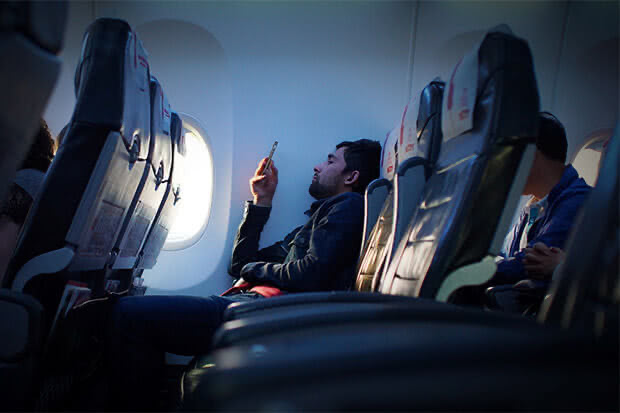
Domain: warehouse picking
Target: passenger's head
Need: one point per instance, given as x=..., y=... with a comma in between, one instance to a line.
x=41, y=151
x=350, y=168
x=28, y=179
x=551, y=140
x=551, y=148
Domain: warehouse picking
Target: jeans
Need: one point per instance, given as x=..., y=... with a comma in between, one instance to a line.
x=142, y=329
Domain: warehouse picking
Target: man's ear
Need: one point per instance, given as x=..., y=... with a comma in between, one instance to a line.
x=352, y=178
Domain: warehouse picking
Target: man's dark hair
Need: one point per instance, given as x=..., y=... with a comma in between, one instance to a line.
x=17, y=202
x=42, y=150
x=551, y=139
x=364, y=156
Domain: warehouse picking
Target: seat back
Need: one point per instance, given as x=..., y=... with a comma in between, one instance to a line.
x=378, y=190
x=419, y=143
x=150, y=194
x=412, y=157
x=586, y=288
x=143, y=235
x=488, y=121
x=87, y=199
x=31, y=35
x=375, y=196
x=378, y=203
x=168, y=208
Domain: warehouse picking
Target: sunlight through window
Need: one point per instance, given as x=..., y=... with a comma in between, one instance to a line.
x=588, y=159
x=193, y=175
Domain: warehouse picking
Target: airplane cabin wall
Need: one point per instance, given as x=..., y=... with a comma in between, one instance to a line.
x=311, y=74
x=574, y=45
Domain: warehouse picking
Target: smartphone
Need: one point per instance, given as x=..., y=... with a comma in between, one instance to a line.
x=273, y=149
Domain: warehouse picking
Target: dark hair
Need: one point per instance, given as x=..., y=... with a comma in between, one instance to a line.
x=42, y=150
x=551, y=139
x=364, y=156
x=17, y=202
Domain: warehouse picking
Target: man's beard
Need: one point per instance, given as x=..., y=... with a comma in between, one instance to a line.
x=318, y=191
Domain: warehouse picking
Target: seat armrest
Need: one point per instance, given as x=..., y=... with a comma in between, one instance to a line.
x=236, y=311
x=300, y=318
x=21, y=343
x=20, y=326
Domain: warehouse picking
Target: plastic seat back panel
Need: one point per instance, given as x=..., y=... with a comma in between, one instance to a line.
x=168, y=133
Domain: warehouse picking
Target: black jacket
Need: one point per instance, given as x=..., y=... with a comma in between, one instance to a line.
x=318, y=256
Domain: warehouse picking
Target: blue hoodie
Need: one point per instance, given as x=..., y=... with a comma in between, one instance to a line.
x=552, y=227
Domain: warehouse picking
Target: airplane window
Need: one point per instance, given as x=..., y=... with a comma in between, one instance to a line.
x=193, y=174
x=587, y=160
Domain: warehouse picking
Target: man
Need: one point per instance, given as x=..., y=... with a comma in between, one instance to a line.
x=28, y=180
x=558, y=193
x=318, y=256
x=310, y=258
x=533, y=246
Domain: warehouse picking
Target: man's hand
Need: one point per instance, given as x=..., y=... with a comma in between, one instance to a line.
x=263, y=184
x=540, y=261
x=239, y=282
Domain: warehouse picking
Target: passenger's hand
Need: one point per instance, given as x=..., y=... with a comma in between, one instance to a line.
x=239, y=282
x=263, y=184
x=540, y=261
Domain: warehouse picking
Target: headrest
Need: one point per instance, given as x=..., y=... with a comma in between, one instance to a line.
x=108, y=94
x=408, y=146
x=389, y=156
x=176, y=128
x=416, y=120
x=161, y=107
x=477, y=85
x=429, y=119
x=41, y=21
x=178, y=145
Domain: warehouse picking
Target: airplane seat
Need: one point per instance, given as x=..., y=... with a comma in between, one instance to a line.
x=488, y=122
x=380, y=244
x=91, y=187
x=146, y=232
x=420, y=140
x=376, y=237
x=166, y=213
x=378, y=190
x=31, y=36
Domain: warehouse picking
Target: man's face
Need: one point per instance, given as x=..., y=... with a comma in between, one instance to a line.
x=533, y=176
x=329, y=176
